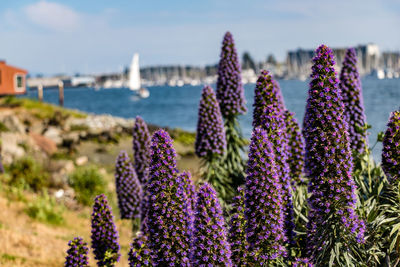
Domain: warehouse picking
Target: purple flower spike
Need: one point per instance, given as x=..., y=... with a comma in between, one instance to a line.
x=328, y=163
x=391, y=148
x=211, y=247
x=129, y=190
x=210, y=137
x=351, y=91
x=104, y=233
x=167, y=220
x=272, y=121
x=141, y=149
x=230, y=92
x=302, y=262
x=295, y=147
x=237, y=231
x=186, y=179
x=267, y=92
x=140, y=254
x=264, y=209
x=77, y=254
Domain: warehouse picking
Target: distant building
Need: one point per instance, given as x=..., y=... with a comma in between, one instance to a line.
x=12, y=80
x=299, y=61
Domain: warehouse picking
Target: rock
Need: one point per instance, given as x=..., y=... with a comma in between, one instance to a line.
x=45, y=144
x=60, y=170
x=96, y=124
x=10, y=146
x=54, y=134
x=82, y=160
x=58, y=180
x=13, y=124
x=70, y=140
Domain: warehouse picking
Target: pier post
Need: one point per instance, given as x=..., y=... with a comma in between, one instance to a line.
x=40, y=92
x=61, y=93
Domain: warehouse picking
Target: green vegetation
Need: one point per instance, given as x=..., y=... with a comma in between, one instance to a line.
x=28, y=173
x=181, y=136
x=87, y=183
x=45, y=209
x=3, y=128
x=79, y=127
x=39, y=109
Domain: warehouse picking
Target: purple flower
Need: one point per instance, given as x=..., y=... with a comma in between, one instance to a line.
x=328, y=162
x=77, y=254
x=295, y=147
x=140, y=254
x=167, y=219
x=210, y=245
x=264, y=209
x=141, y=149
x=230, y=92
x=269, y=114
x=391, y=148
x=104, y=233
x=210, y=137
x=237, y=231
x=272, y=121
x=351, y=91
x=129, y=190
x=267, y=92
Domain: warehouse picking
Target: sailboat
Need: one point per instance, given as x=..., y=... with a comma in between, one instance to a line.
x=134, y=82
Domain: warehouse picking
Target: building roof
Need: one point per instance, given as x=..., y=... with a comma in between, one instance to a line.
x=3, y=63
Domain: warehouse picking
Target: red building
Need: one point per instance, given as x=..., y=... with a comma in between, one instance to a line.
x=12, y=80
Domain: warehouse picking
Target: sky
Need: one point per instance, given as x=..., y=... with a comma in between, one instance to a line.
x=87, y=36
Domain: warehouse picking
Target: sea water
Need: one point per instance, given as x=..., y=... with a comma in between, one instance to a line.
x=178, y=106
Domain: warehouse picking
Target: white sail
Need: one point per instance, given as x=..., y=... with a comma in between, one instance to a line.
x=134, y=74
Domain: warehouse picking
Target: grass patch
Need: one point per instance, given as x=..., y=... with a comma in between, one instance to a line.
x=39, y=109
x=79, y=127
x=3, y=127
x=87, y=183
x=59, y=155
x=28, y=173
x=45, y=209
x=184, y=137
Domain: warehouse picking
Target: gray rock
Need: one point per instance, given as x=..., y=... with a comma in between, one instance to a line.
x=13, y=124
x=54, y=134
x=10, y=148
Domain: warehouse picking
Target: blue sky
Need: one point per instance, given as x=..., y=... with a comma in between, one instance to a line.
x=50, y=36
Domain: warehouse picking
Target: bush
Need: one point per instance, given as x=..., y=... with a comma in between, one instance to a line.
x=181, y=136
x=45, y=209
x=87, y=183
x=28, y=173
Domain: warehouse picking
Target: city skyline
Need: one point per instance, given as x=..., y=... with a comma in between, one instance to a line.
x=98, y=36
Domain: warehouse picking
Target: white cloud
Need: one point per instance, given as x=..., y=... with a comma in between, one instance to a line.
x=53, y=16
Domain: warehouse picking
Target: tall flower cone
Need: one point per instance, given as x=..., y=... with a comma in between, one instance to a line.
x=295, y=147
x=210, y=144
x=129, y=190
x=167, y=219
x=141, y=149
x=104, y=233
x=264, y=210
x=269, y=114
x=391, y=148
x=77, y=254
x=230, y=95
x=351, y=91
x=210, y=245
x=328, y=165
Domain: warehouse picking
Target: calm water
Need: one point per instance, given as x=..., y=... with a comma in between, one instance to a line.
x=177, y=106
